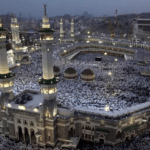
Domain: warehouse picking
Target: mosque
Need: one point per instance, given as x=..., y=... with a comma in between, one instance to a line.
x=41, y=121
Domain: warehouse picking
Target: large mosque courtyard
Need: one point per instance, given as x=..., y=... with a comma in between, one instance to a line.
x=111, y=85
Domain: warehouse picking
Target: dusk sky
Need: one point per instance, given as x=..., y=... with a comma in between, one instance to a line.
x=73, y=7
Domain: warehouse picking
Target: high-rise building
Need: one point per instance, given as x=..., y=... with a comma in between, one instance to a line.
x=141, y=29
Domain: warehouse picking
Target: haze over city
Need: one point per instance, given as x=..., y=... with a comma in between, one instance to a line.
x=74, y=7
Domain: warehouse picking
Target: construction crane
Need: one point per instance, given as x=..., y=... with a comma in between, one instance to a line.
x=112, y=30
x=116, y=20
x=121, y=35
x=130, y=33
x=30, y=17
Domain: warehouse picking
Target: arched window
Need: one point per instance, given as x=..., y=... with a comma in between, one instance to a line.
x=31, y=124
x=118, y=135
x=18, y=121
x=25, y=122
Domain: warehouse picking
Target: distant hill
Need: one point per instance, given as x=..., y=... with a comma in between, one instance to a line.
x=105, y=16
x=67, y=16
x=86, y=14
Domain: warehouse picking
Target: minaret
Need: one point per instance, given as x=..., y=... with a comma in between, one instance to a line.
x=16, y=42
x=12, y=29
x=61, y=30
x=48, y=81
x=72, y=29
x=6, y=78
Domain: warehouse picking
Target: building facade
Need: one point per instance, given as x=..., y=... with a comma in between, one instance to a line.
x=141, y=29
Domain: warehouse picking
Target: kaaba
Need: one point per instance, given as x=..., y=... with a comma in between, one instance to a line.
x=98, y=59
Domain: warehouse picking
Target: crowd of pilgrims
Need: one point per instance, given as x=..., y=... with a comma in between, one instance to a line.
x=124, y=88
x=137, y=143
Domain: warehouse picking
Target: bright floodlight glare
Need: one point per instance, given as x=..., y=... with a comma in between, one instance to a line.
x=109, y=73
x=65, y=51
x=106, y=108
x=116, y=59
x=105, y=53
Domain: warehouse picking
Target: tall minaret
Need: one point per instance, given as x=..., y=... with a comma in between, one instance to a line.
x=16, y=42
x=72, y=29
x=48, y=81
x=61, y=30
x=15, y=30
x=6, y=78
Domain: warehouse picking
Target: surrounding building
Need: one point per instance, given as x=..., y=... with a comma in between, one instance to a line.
x=141, y=29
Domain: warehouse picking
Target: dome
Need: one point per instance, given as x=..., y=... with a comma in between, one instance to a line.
x=70, y=70
x=87, y=72
x=56, y=71
x=87, y=75
x=70, y=73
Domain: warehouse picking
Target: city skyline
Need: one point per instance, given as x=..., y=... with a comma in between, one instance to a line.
x=62, y=7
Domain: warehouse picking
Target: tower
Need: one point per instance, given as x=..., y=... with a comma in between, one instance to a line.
x=72, y=29
x=61, y=30
x=6, y=77
x=16, y=42
x=116, y=13
x=48, y=81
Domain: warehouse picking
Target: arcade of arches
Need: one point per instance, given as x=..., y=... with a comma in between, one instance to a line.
x=25, y=135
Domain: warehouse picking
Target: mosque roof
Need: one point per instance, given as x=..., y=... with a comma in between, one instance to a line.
x=87, y=72
x=46, y=30
x=56, y=69
x=70, y=70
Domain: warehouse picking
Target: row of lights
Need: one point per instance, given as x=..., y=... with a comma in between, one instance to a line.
x=22, y=107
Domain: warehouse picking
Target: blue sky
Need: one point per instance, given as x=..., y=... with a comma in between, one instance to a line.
x=73, y=7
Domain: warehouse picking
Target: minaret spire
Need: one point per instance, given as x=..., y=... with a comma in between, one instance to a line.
x=45, y=9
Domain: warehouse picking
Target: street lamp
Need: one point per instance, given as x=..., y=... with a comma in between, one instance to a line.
x=109, y=73
x=116, y=60
x=106, y=108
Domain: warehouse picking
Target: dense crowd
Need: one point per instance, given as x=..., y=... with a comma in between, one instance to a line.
x=138, y=143
x=124, y=88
